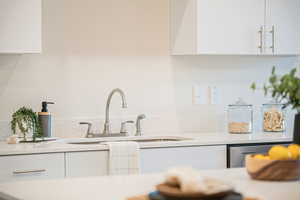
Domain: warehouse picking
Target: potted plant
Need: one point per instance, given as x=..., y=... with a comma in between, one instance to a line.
x=285, y=89
x=26, y=121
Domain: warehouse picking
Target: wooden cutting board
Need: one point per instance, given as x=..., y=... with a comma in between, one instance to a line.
x=141, y=197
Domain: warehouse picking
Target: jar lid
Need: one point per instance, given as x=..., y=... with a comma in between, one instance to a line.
x=273, y=102
x=240, y=102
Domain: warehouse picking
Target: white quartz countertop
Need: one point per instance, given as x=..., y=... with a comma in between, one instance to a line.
x=200, y=139
x=122, y=187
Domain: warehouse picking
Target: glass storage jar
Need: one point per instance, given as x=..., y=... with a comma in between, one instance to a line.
x=240, y=117
x=273, y=117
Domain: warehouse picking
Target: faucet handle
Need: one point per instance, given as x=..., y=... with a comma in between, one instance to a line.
x=138, y=124
x=123, y=126
x=88, y=132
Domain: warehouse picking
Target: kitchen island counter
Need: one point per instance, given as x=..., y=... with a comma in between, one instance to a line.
x=122, y=187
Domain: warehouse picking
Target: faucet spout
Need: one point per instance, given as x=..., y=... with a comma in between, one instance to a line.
x=124, y=105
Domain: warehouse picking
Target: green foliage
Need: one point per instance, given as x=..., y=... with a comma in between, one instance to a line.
x=285, y=89
x=253, y=86
x=25, y=119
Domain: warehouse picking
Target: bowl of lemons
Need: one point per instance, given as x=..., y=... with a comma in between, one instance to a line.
x=279, y=164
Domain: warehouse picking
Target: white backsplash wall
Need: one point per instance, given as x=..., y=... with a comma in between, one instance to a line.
x=232, y=76
x=93, y=46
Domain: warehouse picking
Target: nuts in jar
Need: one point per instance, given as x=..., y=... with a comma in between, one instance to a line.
x=273, y=120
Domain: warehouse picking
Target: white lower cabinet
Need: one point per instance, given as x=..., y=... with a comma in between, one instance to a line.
x=95, y=163
x=29, y=167
x=201, y=157
x=88, y=163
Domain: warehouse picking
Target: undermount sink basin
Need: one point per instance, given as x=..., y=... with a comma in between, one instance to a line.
x=128, y=138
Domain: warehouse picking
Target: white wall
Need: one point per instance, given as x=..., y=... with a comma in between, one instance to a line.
x=93, y=46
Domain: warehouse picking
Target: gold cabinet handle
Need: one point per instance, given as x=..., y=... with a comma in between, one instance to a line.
x=261, y=32
x=28, y=171
x=273, y=39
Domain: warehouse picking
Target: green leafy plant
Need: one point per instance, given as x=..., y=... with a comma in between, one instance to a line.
x=26, y=120
x=284, y=89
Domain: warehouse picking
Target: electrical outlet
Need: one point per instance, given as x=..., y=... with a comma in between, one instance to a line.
x=214, y=95
x=200, y=95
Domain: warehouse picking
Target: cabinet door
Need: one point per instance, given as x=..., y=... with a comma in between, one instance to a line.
x=283, y=16
x=229, y=26
x=20, y=26
x=204, y=157
x=90, y=163
x=32, y=167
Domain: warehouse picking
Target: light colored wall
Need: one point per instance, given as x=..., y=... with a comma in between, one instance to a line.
x=93, y=46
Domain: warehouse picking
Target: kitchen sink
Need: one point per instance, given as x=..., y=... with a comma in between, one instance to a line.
x=140, y=139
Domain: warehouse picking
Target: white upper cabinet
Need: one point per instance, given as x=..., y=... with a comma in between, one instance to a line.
x=283, y=27
x=234, y=27
x=216, y=26
x=20, y=26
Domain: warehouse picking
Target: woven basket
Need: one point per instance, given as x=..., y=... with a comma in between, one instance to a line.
x=273, y=170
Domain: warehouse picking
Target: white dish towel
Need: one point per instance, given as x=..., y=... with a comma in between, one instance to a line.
x=124, y=158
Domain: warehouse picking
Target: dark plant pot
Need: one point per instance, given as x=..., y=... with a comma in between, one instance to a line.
x=297, y=129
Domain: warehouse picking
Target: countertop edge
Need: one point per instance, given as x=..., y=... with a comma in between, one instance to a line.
x=56, y=147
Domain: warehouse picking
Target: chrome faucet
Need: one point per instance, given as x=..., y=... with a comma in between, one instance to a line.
x=138, y=124
x=107, y=130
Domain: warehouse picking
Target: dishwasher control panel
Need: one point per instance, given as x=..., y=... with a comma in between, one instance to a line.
x=237, y=153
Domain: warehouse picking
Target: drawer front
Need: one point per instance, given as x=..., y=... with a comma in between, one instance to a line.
x=32, y=167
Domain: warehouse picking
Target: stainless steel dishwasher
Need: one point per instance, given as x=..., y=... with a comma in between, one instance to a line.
x=236, y=153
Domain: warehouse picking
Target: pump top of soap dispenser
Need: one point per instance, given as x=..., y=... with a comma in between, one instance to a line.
x=45, y=106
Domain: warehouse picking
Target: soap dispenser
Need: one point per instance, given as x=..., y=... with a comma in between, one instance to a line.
x=45, y=119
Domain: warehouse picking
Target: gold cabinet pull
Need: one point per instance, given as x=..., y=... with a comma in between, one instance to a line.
x=261, y=32
x=28, y=171
x=273, y=39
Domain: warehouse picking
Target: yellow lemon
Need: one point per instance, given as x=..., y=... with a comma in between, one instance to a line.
x=263, y=157
x=259, y=156
x=279, y=152
x=294, y=149
x=267, y=158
